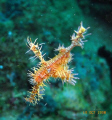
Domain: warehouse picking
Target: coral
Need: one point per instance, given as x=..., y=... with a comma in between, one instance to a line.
x=56, y=67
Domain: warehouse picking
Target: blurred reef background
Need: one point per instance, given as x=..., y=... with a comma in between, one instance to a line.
x=52, y=22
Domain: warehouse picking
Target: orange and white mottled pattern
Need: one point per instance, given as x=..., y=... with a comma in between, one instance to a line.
x=56, y=67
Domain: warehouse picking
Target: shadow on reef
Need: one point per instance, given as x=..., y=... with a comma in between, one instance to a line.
x=98, y=8
x=102, y=52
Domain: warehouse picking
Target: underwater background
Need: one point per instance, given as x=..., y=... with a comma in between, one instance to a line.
x=53, y=22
